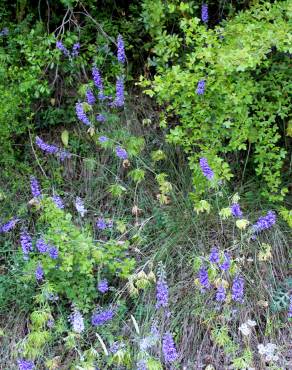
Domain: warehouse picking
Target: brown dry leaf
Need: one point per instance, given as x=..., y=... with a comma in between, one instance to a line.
x=126, y=163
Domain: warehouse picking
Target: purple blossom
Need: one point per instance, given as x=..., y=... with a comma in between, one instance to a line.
x=79, y=205
x=77, y=321
x=237, y=289
x=220, y=294
x=63, y=154
x=35, y=188
x=58, y=201
x=101, y=223
x=207, y=172
x=26, y=244
x=90, y=97
x=100, y=118
x=4, y=32
x=265, y=222
x=204, y=13
x=101, y=317
x=290, y=307
x=201, y=87
x=115, y=347
x=25, y=364
x=235, y=210
x=214, y=255
x=121, y=153
x=103, y=286
x=53, y=252
x=161, y=289
x=168, y=348
x=142, y=365
x=204, y=278
x=10, y=225
x=120, y=95
x=81, y=114
x=50, y=149
x=98, y=82
x=41, y=245
x=103, y=139
x=75, y=50
x=62, y=48
x=50, y=323
x=225, y=265
x=121, y=50
x=39, y=273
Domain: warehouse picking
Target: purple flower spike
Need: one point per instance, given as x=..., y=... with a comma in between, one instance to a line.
x=53, y=252
x=81, y=114
x=90, y=97
x=201, y=87
x=235, y=210
x=77, y=321
x=10, y=225
x=39, y=273
x=102, y=139
x=35, y=188
x=62, y=48
x=226, y=263
x=120, y=95
x=207, y=172
x=49, y=149
x=161, y=293
x=100, y=118
x=101, y=317
x=220, y=294
x=58, y=201
x=4, y=32
x=121, y=50
x=168, y=348
x=204, y=13
x=41, y=245
x=204, y=278
x=98, y=82
x=26, y=244
x=121, y=153
x=265, y=222
x=101, y=224
x=214, y=255
x=103, y=286
x=142, y=365
x=25, y=365
x=290, y=307
x=237, y=289
x=75, y=50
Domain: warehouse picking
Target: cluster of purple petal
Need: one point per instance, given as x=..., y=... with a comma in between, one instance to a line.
x=42, y=246
x=25, y=364
x=100, y=118
x=220, y=294
x=237, y=289
x=235, y=210
x=201, y=87
x=90, y=97
x=75, y=50
x=207, y=172
x=66, y=52
x=120, y=94
x=290, y=307
x=39, y=272
x=98, y=82
x=102, y=224
x=225, y=265
x=81, y=114
x=8, y=226
x=58, y=201
x=26, y=244
x=214, y=255
x=121, y=50
x=79, y=205
x=4, y=32
x=161, y=291
x=103, y=139
x=35, y=188
x=101, y=317
x=265, y=222
x=121, y=153
x=168, y=348
x=47, y=148
x=142, y=365
x=53, y=253
x=103, y=286
x=204, y=278
x=204, y=13
x=77, y=321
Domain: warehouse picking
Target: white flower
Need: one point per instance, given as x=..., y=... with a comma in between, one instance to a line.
x=79, y=205
x=268, y=351
x=244, y=329
x=251, y=323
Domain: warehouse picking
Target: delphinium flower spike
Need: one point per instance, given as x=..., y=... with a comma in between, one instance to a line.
x=204, y=13
x=121, y=153
x=81, y=114
x=214, y=255
x=42, y=246
x=101, y=317
x=79, y=205
x=98, y=82
x=58, y=201
x=35, y=188
x=39, y=272
x=201, y=87
x=62, y=48
x=204, y=278
x=75, y=50
x=120, y=95
x=207, y=171
x=220, y=294
x=237, y=289
x=121, y=50
x=47, y=148
x=168, y=348
x=8, y=226
x=103, y=286
x=265, y=222
x=90, y=97
x=161, y=288
x=77, y=321
x=225, y=265
x=235, y=210
x=101, y=224
x=53, y=253
x=142, y=365
x=26, y=244
x=25, y=364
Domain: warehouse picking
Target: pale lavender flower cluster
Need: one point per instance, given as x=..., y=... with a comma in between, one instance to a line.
x=168, y=348
x=220, y=294
x=25, y=364
x=237, y=289
x=77, y=321
x=81, y=114
x=290, y=307
x=225, y=265
x=121, y=50
x=35, y=188
x=142, y=365
x=8, y=226
x=102, y=224
x=58, y=201
x=42, y=246
x=101, y=317
x=120, y=94
x=207, y=172
x=204, y=13
x=121, y=153
x=103, y=139
x=235, y=210
x=98, y=82
x=214, y=255
x=39, y=272
x=204, y=278
x=103, y=286
x=90, y=97
x=26, y=244
x=161, y=289
x=265, y=222
x=79, y=205
x=201, y=87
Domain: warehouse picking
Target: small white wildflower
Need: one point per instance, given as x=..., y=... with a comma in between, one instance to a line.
x=79, y=205
x=244, y=329
x=251, y=323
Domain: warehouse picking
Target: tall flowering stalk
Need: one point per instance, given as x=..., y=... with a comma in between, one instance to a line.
x=220, y=294
x=201, y=87
x=204, y=13
x=25, y=364
x=235, y=210
x=8, y=226
x=121, y=50
x=265, y=222
x=75, y=50
x=121, y=153
x=120, y=94
x=90, y=97
x=79, y=205
x=47, y=148
x=77, y=321
x=204, y=278
x=161, y=288
x=225, y=265
x=103, y=286
x=35, y=188
x=237, y=289
x=214, y=255
x=62, y=48
x=58, y=201
x=98, y=81
x=207, y=172
x=101, y=317
x=81, y=114
x=39, y=272
x=26, y=244
x=168, y=348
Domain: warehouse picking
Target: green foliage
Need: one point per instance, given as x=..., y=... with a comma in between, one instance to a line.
x=244, y=62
